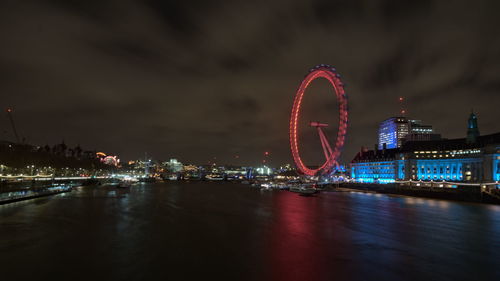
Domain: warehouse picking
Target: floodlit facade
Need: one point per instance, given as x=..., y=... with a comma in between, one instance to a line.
x=392, y=132
x=174, y=166
x=472, y=159
x=395, y=131
x=448, y=160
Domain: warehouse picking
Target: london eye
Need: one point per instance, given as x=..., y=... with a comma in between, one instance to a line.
x=331, y=154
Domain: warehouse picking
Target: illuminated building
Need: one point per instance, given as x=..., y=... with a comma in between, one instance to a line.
x=190, y=168
x=380, y=166
x=108, y=159
x=264, y=170
x=235, y=172
x=468, y=159
x=173, y=166
x=395, y=131
x=392, y=132
x=419, y=132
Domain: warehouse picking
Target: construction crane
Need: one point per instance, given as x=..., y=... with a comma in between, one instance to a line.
x=9, y=113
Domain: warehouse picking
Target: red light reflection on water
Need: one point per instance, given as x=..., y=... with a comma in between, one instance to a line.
x=297, y=248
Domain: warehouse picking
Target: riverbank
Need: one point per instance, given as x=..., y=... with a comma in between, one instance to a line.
x=11, y=197
x=464, y=194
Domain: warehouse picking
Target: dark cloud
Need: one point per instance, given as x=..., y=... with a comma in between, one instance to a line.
x=94, y=10
x=202, y=79
x=328, y=12
x=244, y=105
x=396, y=11
x=234, y=63
x=178, y=15
x=129, y=50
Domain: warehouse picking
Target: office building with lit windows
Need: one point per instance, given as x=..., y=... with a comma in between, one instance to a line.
x=395, y=131
x=419, y=132
x=472, y=159
x=392, y=132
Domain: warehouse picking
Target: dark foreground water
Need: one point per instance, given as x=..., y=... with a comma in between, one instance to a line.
x=224, y=231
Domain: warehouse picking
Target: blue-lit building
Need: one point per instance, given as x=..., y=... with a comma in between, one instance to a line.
x=395, y=131
x=471, y=159
x=392, y=132
x=378, y=166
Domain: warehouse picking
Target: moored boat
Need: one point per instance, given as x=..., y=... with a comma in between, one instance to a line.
x=304, y=191
x=126, y=182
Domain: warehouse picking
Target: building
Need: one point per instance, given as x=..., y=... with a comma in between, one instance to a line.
x=471, y=159
x=236, y=172
x=378, y=166
x=392, y=132
x=419, y=132
x=472, y=128
x=395, y=131
x=173, y=166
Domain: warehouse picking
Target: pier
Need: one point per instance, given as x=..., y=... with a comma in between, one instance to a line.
x=17, y=196
x=468, y=192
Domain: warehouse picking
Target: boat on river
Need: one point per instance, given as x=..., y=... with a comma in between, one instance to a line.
x=127, y=182
x=304, y=191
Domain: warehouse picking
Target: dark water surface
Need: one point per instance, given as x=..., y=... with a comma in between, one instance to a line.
x=225, y=231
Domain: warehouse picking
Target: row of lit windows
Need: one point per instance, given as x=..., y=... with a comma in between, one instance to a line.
x=370, y=163
x=434, y=156
x=468, y=151
x=375, y=166
x=435, y=177
x=421, y=130
x=373, y=170
x=441, y=170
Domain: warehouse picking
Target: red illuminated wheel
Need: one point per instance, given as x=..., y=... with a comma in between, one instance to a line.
x=331, y=154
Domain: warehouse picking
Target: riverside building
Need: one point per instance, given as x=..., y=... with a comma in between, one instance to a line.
x=471, y=159
x=395, y=131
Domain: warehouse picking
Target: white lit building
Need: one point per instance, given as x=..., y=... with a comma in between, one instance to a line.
x=173, y=166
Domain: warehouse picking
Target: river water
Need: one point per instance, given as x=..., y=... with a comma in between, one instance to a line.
x=228, y=231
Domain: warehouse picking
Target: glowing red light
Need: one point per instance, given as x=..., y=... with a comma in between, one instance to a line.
x=327, y=73
x=266, y=153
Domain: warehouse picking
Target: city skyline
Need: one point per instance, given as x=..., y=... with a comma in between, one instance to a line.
x=250, y=140
x=176, y=81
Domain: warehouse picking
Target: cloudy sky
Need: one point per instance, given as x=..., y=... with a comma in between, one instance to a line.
x=202, y=79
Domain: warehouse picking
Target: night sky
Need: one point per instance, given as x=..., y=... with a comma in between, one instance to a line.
x=202, y=79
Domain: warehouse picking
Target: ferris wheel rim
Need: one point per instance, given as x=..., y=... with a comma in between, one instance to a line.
x=329, y=73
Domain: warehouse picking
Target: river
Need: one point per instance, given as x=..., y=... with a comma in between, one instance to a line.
x=230, y=231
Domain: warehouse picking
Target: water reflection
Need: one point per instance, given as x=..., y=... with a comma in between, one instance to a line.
x=293, y=256
x=318, y=238
x=193, y=231
x=360, y=236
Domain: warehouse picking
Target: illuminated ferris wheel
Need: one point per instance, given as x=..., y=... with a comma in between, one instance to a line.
x=331, y=154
